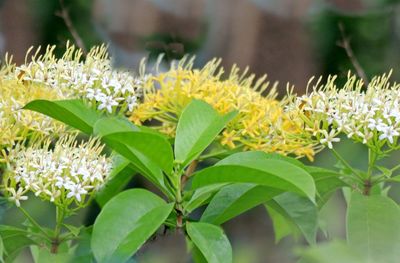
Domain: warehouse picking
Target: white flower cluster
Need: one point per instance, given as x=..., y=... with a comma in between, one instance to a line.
x=370, y=116
x=68, y=173
x=17, y=124
x=92, y=78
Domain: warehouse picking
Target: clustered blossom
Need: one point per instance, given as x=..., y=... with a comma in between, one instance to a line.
x=70, y=173
x=260, y=125
x=370, y=116
x=17, y=124
x=92, y=78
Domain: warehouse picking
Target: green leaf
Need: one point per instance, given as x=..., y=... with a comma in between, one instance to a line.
x=14, y=239
x=373, y=227
x=198, y=126
x=43, y=255
x=120, y=176
x=232, y=200
x=201, y=196
x=290, y=210
x=108, y=125
x=211, y=241
x=326, y=182
x=257, y=168
x=82, y=252
x=125, y=223
x=332, y=252
x=137, y=144
x=283, y=225
x=71, y=112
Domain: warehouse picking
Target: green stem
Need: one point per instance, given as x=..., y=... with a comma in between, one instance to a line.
x=57, y=231
x=346, y=164
x=395, y=168
x=33, y=221
x=368, y=183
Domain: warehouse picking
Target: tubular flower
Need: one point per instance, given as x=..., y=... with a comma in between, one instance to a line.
x=261, y=123
x=370, y=116
x=68, y=174
x=92, y=78
x=17, y=124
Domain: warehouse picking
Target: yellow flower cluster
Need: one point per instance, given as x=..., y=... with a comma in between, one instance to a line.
x=260, y=125
x=17, y=124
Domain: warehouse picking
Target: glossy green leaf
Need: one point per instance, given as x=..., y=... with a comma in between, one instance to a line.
x=257, y=168
x=155, y=148
x=211, y=241
x=201, y=196
x=290, y=210
x=108, y=125
x=43, y=255
x=14, y=240
x=326, y=182
x=120, y=176
x=198, y=126
x=234, y=199
x=74, y=113
x=125, y=223
x=373, y=227
x=140, y=160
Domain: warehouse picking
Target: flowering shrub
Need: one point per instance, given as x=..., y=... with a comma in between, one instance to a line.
x=16, y=125
x=371, y=117
x=162, y=125
x=260, y=125
x=66, y=175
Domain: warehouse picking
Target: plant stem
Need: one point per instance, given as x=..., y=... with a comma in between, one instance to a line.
x=346, y=164
x=56, y=239
x=182, y=179
x=33, y=221
x=371, y=163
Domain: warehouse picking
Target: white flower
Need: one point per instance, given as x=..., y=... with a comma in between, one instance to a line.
x=93, y=79
x=328, y=139
x=388, y=133
x=17, y=196
x=132, y=102
x=107, y=103
x=368, y=116
x=76, y=190
x=69, y=171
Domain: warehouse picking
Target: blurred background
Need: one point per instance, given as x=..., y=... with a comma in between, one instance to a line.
x=290, y=40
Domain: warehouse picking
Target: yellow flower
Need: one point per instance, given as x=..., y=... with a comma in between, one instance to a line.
x=229, y=138
x=17, y=124
x=261, y=123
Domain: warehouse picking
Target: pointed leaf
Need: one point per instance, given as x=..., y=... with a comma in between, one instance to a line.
x=373, y=227
x=288, y=210
x=211, y=241
x=232, y=200
x=74, y=113
x=257, y=168
x=198, y=126
x=326, y=182
x=108, y=125
x=155, y=148
x=201, y=195
x=125, y=223
x=120, y=176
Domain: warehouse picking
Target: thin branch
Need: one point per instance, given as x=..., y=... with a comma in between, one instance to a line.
x=345, y=44
x=190, y=170
x=63, y=13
